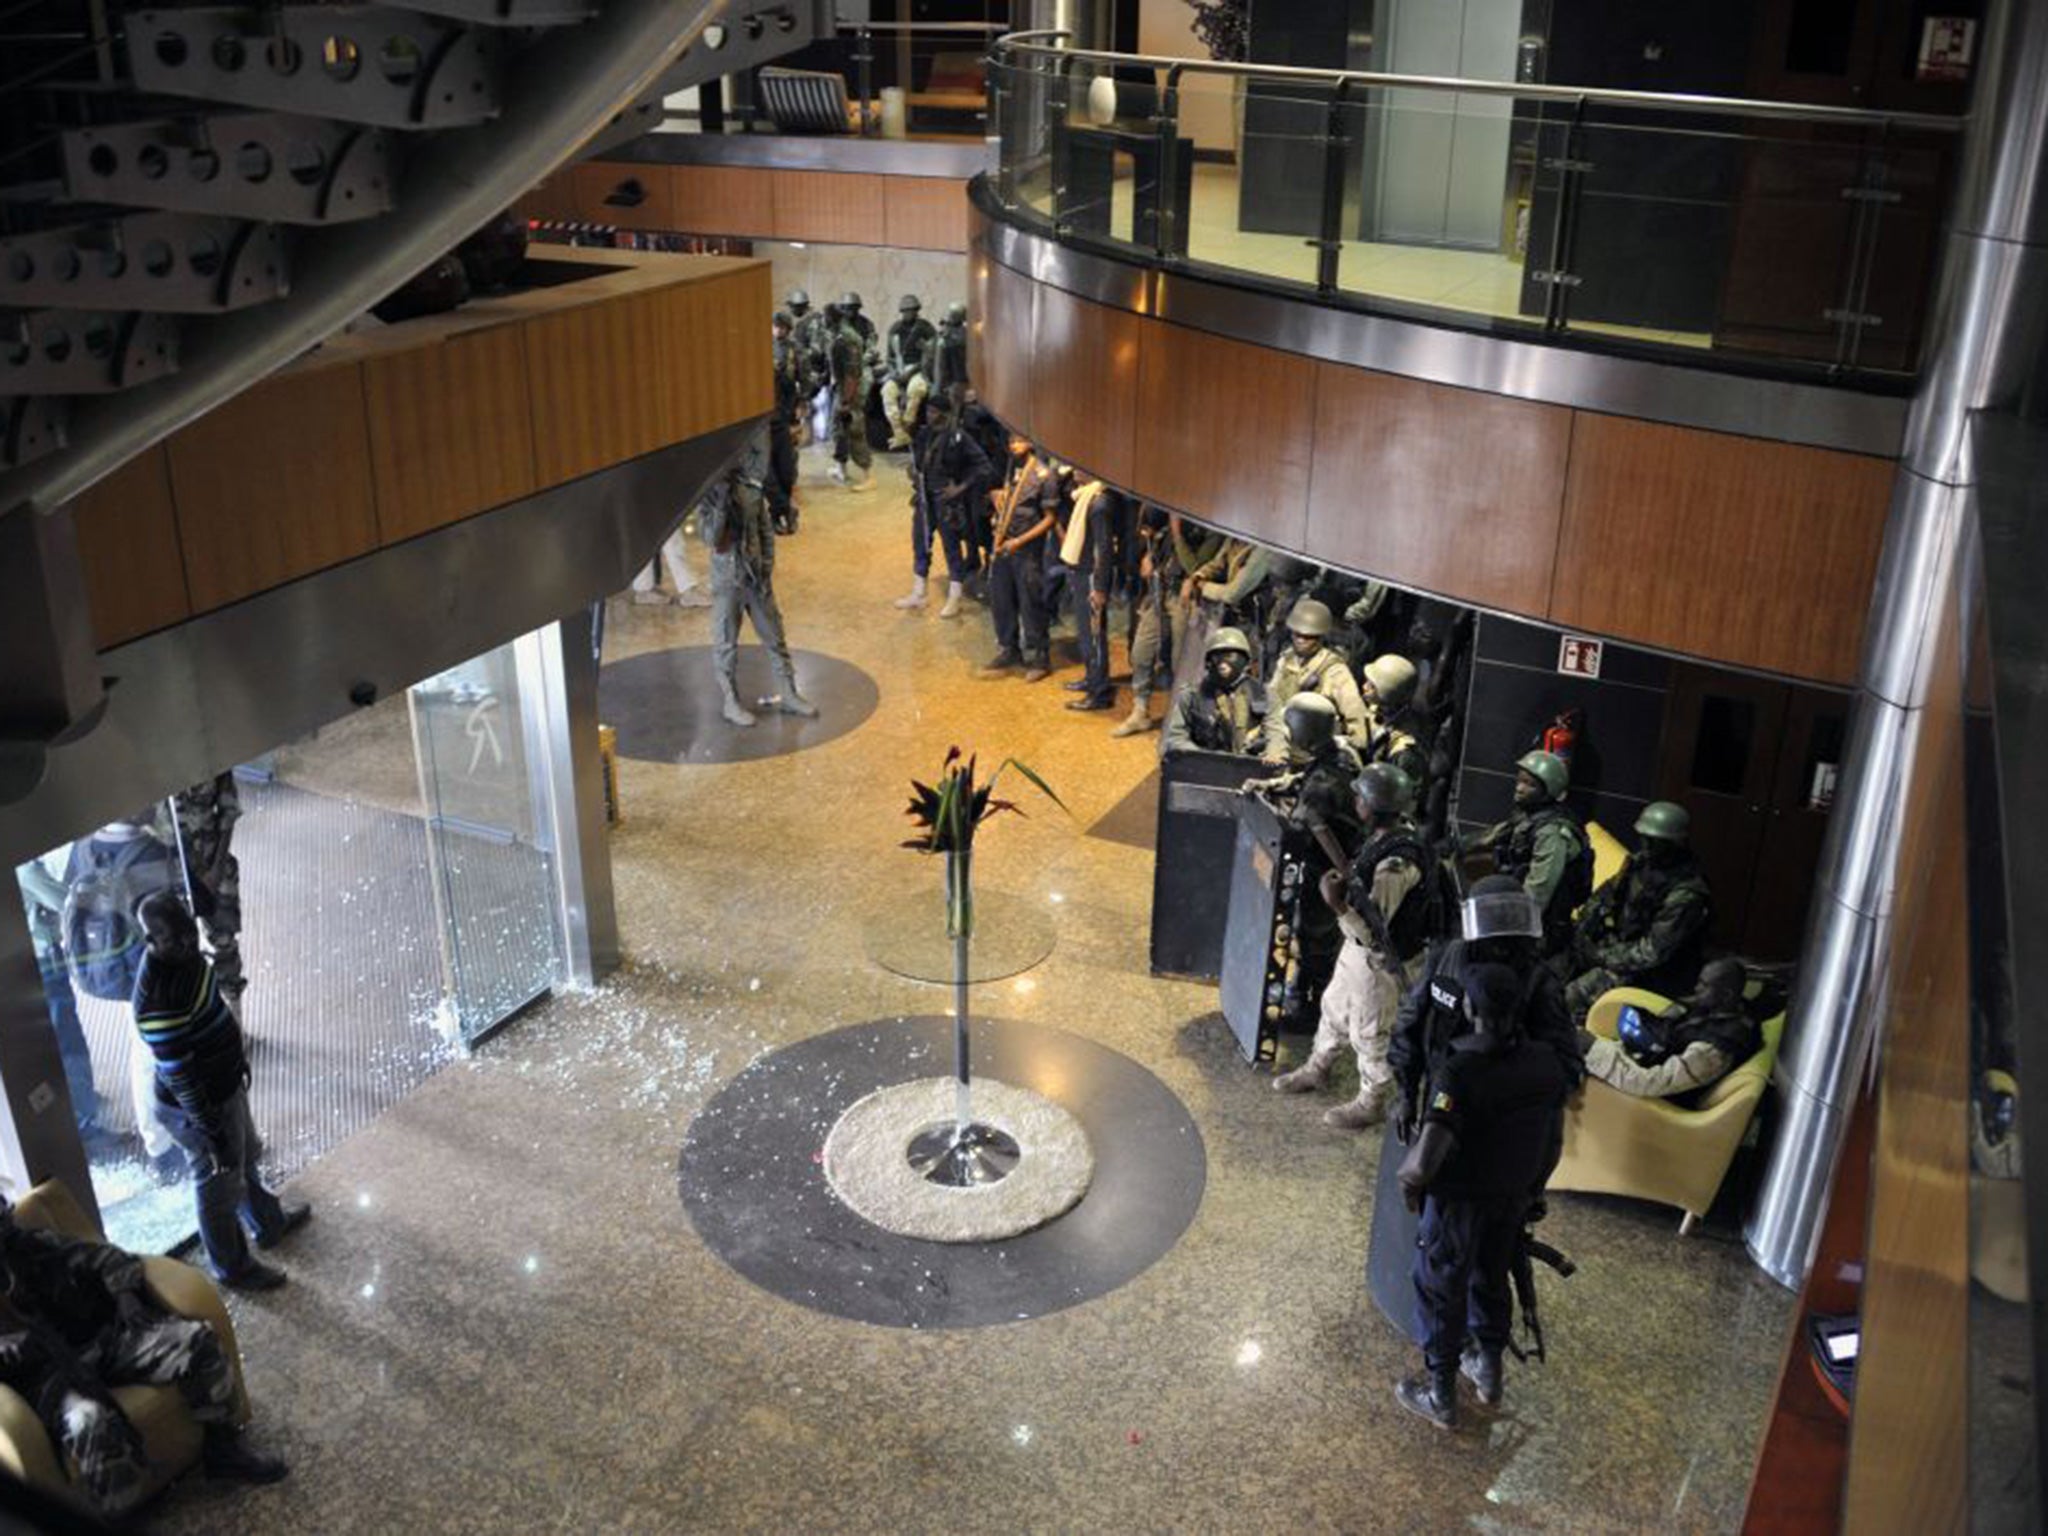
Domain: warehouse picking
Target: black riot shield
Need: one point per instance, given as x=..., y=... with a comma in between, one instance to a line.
x=1265, y=875
x=1390, y=1259
x=1191, y=868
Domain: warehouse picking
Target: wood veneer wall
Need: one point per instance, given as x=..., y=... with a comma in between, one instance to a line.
x=364, y=446
x=1739, y=550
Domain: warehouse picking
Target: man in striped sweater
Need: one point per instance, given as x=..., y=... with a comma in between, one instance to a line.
x=202, y=1080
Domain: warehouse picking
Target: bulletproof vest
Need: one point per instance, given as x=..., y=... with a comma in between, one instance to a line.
x=1419, y=919
x=847, y=354
x=951, y=366
x=1224, y=722
x=1509, y=1105
x=1729, y=1030
x=1514, y=856
x=786, y=386
x=1651, y=886
x=910, y=344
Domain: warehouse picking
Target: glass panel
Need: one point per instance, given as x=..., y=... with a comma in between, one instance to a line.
x=482, y=775
x=81, y=898
x=1720, y=757
x=1262, y=213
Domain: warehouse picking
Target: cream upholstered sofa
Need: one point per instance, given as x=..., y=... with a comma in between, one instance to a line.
x=171, y=1435
x=1651, y=1149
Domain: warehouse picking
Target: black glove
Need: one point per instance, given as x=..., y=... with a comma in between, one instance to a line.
x=1404, y=1120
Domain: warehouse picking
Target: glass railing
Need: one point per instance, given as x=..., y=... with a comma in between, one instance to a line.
x=1797, y=237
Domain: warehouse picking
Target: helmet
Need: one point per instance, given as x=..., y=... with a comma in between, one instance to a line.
x=798, y=299
x=1227, y=639
x=909, y=304
x=1311, y=722
x=956, y=313
x=1663, y=819
x=1392, y=678
x=1547, y=769
x=781, y=321
x=1385, y=789
x=1499, y=908
x=850, y=302
x=1309, y=617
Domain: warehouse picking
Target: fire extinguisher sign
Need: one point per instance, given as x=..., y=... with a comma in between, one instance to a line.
x=1578, y=656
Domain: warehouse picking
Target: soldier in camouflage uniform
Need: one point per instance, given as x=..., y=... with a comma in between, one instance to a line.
x=785, y=427
x=1647, y=927
x=207, y=813
x=736, y=524
x=848, y=350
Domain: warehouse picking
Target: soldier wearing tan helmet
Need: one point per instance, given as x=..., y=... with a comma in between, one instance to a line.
x=1309, y=665
x=1387, y=684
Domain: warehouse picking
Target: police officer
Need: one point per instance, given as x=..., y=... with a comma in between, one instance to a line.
x=206, y=814
x=1383, y=909
x=1387, y=686
x=1685, y=1049
x=849, y=360
x=1026, y=512
x=908, y=361
x=1310, y=665
x=785, y=426
x=1498, y=925
x=1226, y=710
x=1647, y=927
x=1316, y=797
x=949, y=363
x=1543, y=845
x=1490, y=1134
x=735, y=523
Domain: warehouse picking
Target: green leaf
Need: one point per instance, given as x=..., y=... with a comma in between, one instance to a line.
x=1031, y=774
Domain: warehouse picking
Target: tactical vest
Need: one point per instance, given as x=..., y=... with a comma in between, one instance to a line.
x=1517, y=853
x=1225, y=723
x=1424, y=911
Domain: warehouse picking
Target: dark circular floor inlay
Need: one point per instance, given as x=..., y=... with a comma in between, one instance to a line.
x=753, y=1180
x=664, y=705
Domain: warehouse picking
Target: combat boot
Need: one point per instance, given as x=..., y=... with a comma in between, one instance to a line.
x=732, y=708
x=1137, y=722
x=1368, y=1109
x=1435, y=1398
x=952, y=608
x=792, y=702
x=1312, y=1076
x=1481, y=1367
x=915, y=597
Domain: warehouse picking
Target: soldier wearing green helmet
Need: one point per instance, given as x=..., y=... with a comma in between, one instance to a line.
x=1225, y=711
x=1543, y=845
x=1310, y=665
x=1647, y=927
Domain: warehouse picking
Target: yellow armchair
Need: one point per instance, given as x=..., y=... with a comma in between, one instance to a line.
x=172, y=1437
x=1651, y=1149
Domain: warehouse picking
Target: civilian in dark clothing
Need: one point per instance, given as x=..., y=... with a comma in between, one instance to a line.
x=78, y=1320
x=202, y=1081
x=1492, y=1131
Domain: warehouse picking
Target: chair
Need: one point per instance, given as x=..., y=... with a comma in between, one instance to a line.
x=172, y=1437
x=1608, y=853
x=807, y=100
x=1651, y=1149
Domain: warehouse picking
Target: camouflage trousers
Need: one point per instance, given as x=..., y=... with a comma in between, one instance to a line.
x=97, y=1438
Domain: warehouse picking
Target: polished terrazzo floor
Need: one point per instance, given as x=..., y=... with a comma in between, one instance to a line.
x=501, y=1319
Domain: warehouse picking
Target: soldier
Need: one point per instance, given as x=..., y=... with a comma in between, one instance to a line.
x=1167, y=554
x=207, y=813
x=1026, y=511
x=949, y=477
x=1648, y=925
x=1387, y=906
x=1311, y=666
x=850, y=313
x=949, y=367
x=1387, y=685
x=735, y=523
x=812, y=340
x=849, y=399
x=1233, y=579
x=908, y=362
x=1315, y=796
x=1226, y=710
x=785, y=426
x=1543, y=845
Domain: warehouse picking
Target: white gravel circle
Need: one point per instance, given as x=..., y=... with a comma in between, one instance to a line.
x=866, y=1167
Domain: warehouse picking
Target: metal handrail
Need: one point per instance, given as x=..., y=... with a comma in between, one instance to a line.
x=1717, y=106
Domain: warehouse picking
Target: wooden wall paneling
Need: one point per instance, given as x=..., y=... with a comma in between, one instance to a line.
x=833, y=207
x=128, y=544
x=720, y=354
x=1084, y=360
x=724, y=200
x=1733, y=548
x=451, y=429
x=596, y=180
x=1912, y=1375
x=602, y=388
x=1227, y=431
x=552, y=197
x=1002, y=320
x=1451, y=490
x=924, y=213
x=274, y=484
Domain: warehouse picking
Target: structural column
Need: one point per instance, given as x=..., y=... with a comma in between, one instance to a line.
x=38, y=1131
x=1989, y=329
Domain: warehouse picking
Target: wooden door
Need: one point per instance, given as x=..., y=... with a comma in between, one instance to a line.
x=1796, y=822
x=1720, y=761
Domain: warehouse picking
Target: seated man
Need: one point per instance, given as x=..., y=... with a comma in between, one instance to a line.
x=1543, y=845
x=78, y=1320
x=1684, y=1050
x=1646, y=926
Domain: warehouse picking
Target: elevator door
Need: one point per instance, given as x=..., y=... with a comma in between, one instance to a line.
x=1753, y=759
x=1444, y=158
